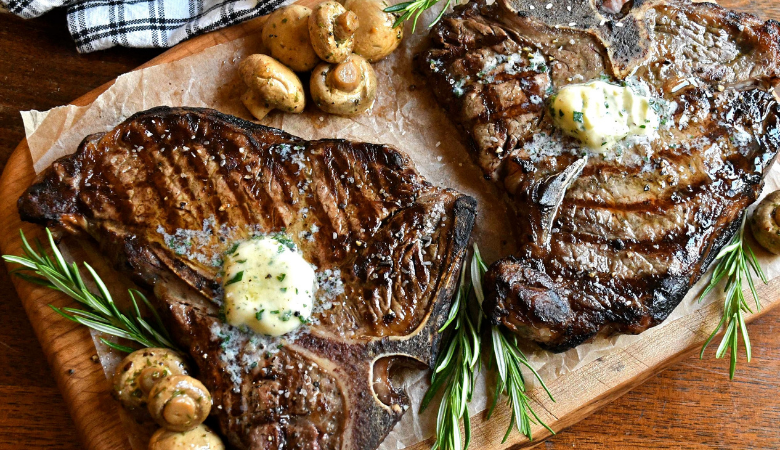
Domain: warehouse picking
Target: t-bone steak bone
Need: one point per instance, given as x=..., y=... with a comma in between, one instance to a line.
x=609, y=242
x=169, y=191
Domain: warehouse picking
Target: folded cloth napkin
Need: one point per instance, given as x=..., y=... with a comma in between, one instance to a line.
x=100, y=24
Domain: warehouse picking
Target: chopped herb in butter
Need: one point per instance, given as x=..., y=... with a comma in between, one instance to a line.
x=267, y=282
x=600, y=114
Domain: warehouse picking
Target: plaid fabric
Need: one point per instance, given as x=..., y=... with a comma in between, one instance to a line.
x=100, y=24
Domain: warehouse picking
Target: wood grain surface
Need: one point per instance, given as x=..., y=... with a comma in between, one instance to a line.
x=693, y=405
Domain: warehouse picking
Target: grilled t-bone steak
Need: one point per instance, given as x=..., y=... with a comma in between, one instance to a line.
x=169, y=191
x=609, y=242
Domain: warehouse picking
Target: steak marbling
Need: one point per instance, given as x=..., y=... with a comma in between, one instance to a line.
x=169, y=191
x=609, y=242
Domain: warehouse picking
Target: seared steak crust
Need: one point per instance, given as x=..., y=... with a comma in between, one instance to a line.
x=169, y=191
x=614, y=241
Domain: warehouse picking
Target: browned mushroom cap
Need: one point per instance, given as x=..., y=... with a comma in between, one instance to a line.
x=376, y=37
x=179, y=403
x=140, y=370
x=765, y=222
x=286, y=36
x=271, y=86
x=332, y=31
x=198, y=438
x=345, y=89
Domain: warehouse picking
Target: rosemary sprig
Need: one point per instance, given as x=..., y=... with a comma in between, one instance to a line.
x=415, y=8
x=509, y=361
x=458, y=365
x=735, y=263
x=100, y=313
x=456, y=370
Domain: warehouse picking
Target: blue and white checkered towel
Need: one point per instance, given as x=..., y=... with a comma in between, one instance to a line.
x=100, y=24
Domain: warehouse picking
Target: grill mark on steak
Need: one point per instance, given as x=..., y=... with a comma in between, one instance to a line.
x=637, y=228
x=169, y=191
x=651, y=224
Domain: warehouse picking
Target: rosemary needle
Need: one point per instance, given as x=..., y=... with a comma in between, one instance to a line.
x=100, y=312
x=735, y=262
x=509, y=361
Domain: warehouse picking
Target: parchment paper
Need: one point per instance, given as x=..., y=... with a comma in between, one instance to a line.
x=405, y=115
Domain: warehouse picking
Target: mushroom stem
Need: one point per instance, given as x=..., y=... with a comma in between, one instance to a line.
x=345, y=76
x=346, y=89
x=179, y=403
x=332, y=31
x=346, y=25
x=180, y=410
x=255, y=104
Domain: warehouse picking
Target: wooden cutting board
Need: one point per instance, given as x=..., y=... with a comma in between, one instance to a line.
x=69, y=347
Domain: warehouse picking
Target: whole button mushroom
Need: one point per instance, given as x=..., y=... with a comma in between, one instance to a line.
x=271, y=86
x=198, y=438
x=765, y=222
x=179, y=403
x=332, y=31
x=140, y=370
x=376, y=37
x=286, y=36
x=345, y=89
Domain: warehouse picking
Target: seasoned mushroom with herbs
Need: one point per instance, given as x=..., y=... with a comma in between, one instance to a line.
x=271, y=86
x=286, y=36
x=345, y=89
x=376, y=37
x=198, y=438
x=332, y=31
x=765, y=222
x=179, y=403
x=140, y=371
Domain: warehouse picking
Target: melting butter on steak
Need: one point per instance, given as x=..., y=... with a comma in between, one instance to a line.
x=609, y=241
x=169, y=191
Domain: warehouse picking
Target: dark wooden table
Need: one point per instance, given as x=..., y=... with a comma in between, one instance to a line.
x=692, y=405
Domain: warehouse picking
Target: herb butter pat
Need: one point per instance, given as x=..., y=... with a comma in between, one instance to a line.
x=600, y=114
x=269, y=287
